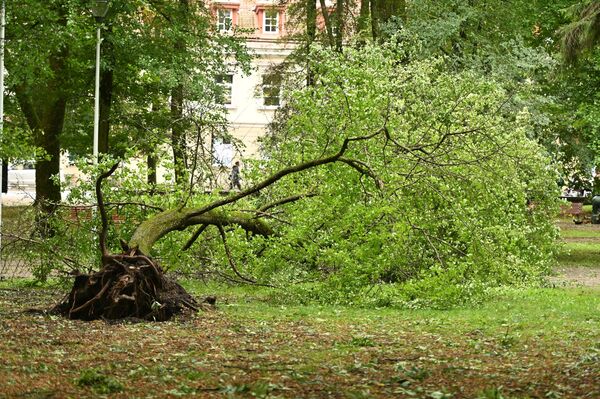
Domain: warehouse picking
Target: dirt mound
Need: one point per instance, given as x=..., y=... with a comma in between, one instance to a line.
x=128, y=286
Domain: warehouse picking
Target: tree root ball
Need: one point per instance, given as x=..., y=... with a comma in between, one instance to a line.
x=128, y=286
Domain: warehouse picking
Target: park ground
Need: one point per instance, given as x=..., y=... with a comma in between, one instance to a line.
x=527, y=343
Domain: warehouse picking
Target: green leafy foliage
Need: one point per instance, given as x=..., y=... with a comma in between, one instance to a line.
x=452, y=197
x=148, y=49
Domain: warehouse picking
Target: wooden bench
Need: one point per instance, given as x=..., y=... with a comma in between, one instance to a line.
x=575, y=208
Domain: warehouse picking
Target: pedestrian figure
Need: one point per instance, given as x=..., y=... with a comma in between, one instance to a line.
x=234, y=177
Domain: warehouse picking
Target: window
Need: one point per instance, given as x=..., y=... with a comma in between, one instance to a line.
x=271, y=87
x=224, y=20
x=226, y=87
x=271, y=21
x=222, y=151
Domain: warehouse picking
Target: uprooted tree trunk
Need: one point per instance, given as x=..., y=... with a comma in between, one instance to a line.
x=128, y=285
x=133, y=285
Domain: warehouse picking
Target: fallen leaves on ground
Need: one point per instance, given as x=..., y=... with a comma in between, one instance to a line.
x=228, y=354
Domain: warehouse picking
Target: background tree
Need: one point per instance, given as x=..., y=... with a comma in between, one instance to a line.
x=580, y=40
x=43, y=79
x=584, y=32
x=151, y=49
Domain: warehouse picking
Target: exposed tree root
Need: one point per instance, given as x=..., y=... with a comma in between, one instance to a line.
x=127, y=286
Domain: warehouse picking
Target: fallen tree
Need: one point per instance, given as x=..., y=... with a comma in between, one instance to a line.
x=133, y=285
x=420, y=181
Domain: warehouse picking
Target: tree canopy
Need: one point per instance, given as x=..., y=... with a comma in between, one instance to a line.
x=414, y=160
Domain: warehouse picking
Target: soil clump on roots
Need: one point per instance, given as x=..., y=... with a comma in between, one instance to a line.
x=129, y=286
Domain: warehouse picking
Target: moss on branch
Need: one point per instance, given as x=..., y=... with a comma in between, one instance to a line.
x=157, y=226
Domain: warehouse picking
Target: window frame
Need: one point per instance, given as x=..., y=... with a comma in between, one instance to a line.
x=222, y=25
x=265, y=17
x=225, y=81
x=271, y=82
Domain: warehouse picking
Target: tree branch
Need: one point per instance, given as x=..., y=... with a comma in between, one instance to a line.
x=230, y=258
x=284, y=201
x=194, y=237
x=157, y=226
x=102, y=208
x=364, y=169
x=284, y=172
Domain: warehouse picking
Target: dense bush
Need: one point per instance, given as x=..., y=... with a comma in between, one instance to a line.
x=459, y=199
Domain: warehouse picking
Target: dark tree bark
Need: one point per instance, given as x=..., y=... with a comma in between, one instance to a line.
x=178, y=133
x=44, y=109
x=177, y=99
x=382, y=11
x=47, y=187
x=363, y=17
x=151, y=159
x=340, y=14
x=311, y=21
x=106, y=90
x=43, y=104
x=311, y=34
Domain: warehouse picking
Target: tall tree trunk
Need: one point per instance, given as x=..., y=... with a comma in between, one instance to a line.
x=382, y=11
x=311, y=34
x=178, y=133
x=363, y=17
x=46, y=122
x=106, y=89
x=328, y=24
x=45, y=118
x=44, y=108
x=340, y=13
x=46, y=185
x=151, y=160
x=178, y=139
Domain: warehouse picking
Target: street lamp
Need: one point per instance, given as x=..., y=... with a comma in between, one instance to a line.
x=99, y=10
x=2, y=43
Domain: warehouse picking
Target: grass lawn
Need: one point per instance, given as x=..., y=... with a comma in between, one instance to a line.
x=524, y=343
x=580, y=255
x=583, y=254
x=528, y=343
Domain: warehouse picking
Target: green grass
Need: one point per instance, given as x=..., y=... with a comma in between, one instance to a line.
x=581, y=247
x=545, y=311
x=580, y=254
x=252, y=347
x=13, y=214
x=572, y=233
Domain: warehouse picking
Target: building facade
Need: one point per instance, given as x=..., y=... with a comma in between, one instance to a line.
x=251, y=100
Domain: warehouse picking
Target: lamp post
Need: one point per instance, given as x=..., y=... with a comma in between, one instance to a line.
x=99, y=10
x=2, y=41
